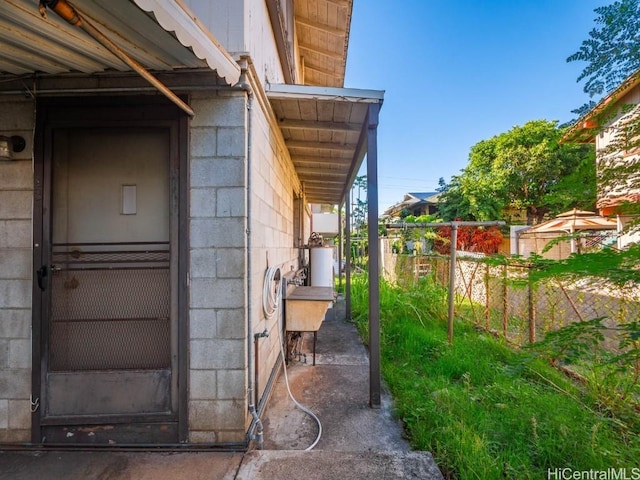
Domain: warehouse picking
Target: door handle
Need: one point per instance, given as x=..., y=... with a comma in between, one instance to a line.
x=43, y=274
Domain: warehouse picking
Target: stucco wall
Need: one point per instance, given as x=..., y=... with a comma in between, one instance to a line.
x=16, y=193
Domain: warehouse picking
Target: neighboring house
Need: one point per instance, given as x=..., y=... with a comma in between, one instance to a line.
x=414, y=203
x=610, y=125
x=156, y=158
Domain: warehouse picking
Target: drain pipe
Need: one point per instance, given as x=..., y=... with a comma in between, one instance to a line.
x=256, y=431
x=72, y=16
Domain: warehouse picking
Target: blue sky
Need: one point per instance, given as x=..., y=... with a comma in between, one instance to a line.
x=456, y=72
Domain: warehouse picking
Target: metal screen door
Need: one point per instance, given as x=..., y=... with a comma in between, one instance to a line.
x=109, y=329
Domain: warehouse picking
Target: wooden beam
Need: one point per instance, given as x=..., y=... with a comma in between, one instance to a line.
x=322, y=172
x=324, y=71
x=311, y=190
x=314, y=125
x=319, y=145
x=322, y=184
x=339, y=3
x=321, y=26
x=320, y=160
x=321, y=51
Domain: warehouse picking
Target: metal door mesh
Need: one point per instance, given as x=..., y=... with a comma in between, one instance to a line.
x=110, y=307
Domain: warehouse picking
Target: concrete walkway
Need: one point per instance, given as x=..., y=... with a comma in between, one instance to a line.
x=357, y=442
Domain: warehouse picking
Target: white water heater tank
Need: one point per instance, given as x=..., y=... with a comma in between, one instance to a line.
x=321, y=260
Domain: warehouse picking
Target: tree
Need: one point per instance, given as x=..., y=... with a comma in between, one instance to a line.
x=452, y=205
x=524, y=169
x=612, y=51
x=359, y=204
x=612, y=55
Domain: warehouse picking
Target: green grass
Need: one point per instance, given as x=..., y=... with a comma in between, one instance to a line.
x=485, y=410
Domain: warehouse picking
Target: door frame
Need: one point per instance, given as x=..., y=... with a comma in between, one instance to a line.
x=107, y=112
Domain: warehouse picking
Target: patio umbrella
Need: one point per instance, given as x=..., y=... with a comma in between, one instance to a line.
x=573, y=221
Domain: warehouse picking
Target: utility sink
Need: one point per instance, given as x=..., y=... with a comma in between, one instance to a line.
x=306, y=308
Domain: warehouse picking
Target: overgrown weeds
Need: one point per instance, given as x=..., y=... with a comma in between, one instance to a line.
x=482, y=408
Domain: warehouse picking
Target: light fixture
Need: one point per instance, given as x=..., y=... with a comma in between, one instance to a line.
x=5, y=148
x=11, y=145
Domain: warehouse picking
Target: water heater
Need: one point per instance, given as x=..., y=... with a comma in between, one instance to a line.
x=321, y=260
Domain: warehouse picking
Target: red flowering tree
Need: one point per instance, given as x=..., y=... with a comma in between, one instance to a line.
x=470, y=239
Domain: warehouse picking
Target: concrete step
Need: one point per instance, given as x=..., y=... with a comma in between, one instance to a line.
x=326, y=465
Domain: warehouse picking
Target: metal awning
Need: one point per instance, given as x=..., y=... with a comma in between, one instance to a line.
x=161, y=36
x=324, y=130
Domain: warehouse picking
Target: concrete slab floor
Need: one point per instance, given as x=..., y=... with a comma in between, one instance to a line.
x=336, y=389
x=103, y=465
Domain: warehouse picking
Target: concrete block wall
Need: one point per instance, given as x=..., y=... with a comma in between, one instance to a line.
x=273, y=188
x=16, y=205
x=217, y=304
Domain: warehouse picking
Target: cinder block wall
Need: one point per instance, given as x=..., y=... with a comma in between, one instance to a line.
x=273, y=184
x=16, y=206
x=217, y=310
x=220, y=224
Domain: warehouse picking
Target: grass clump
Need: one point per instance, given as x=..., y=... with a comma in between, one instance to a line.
x=485, y=410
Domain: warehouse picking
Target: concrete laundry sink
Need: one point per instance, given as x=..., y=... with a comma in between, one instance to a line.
x=305, y=309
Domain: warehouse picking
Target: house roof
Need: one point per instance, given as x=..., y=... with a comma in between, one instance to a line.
x=322, y=30
x=585, y=129
x=160, y=36
x=325, y=131
x=412, y=199
x=424, y=196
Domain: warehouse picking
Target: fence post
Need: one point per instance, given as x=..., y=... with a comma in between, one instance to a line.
x=531, y=308
x=505, y=293
x=487, y=306
x=452, y=279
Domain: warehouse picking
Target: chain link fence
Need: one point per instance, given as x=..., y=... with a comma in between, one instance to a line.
x=502, y=299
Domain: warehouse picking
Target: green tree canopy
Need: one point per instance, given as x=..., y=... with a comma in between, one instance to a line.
x=612, y=54
x=523, y=170
x=612, y=51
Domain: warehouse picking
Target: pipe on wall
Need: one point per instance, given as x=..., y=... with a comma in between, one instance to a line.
x=72, y=16
x=256, y=430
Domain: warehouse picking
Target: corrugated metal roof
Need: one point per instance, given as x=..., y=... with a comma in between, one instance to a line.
x=322, y=30
x=31, y=43
x=322, y=128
